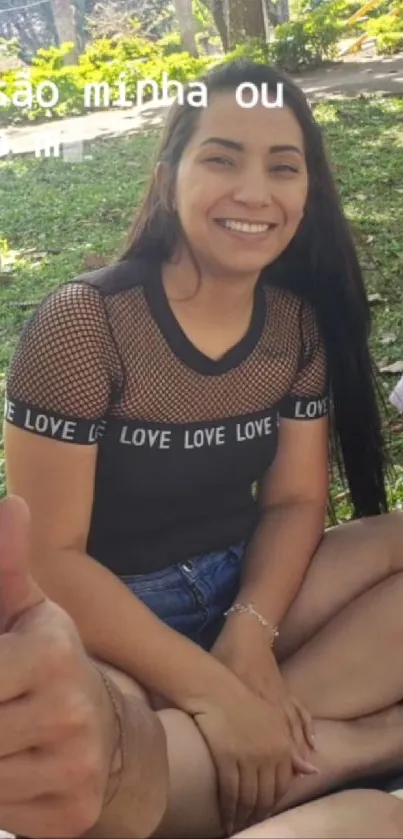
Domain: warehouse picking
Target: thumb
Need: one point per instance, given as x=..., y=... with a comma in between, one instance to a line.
x=18, y=592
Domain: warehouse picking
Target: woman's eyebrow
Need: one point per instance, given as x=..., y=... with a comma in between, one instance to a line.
x=236, y=146
x=288, y=147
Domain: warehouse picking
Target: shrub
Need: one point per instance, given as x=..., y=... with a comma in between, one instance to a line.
x=206, y=43
x=172, y=42
x=10, y=47
x=28, y=95
x=106, y=51
x=51, y=58
x=181, y=67
x=308, y=41
x=305, y=42
x=203, y=17
x=127, y=60
x=389, y=43
x=387, y=30
x=251, y=48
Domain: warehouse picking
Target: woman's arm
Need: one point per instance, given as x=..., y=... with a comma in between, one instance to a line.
x=295, y=490
x=292, y=523
x=293, y=511
x=57, y=481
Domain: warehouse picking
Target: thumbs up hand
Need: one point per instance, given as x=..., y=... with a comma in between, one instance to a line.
x=57, y=726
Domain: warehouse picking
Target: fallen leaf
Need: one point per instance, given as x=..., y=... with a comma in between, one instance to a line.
x=341, y=495
x=388, y=338
x=375, y=298
x=396, y=367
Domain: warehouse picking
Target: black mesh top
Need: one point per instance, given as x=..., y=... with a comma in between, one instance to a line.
x=183, y=440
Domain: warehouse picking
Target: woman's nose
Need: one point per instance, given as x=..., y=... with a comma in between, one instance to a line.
x=254, y=190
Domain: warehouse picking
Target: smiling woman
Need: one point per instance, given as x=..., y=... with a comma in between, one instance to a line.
x=181, y=402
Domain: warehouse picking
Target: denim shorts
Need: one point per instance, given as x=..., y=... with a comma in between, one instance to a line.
x=192, y=596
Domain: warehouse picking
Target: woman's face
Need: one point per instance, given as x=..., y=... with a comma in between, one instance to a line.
x=241, y=185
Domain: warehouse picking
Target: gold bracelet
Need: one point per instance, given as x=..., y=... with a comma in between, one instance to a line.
x=242, y=608
x=120, y=749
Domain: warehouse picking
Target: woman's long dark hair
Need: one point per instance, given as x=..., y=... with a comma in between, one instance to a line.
x=320, y=265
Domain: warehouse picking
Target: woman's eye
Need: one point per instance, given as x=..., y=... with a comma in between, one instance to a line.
x=285, y=167
x=226, y=161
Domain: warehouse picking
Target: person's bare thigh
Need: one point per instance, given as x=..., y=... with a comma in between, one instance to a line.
x=351, y=559
x=193, y=804
x=355, y=814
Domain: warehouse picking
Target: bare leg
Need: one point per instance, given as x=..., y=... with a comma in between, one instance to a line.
x=340, y=643
x=351, y=559
x=353, y=666
x=348, y=593
x=345, y=751
x=357, y=814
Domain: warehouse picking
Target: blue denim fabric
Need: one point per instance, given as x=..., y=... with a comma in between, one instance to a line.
x=192, y=596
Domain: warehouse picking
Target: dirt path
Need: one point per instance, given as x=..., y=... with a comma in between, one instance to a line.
x=348, y=78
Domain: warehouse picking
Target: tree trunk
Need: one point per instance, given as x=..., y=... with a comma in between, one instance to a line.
x=80, y=23
x=29, y=40
x=64, y=18
x=272, y=12
x=283, y=11
x=183, y=9
x=246, y=20
x=220, y=19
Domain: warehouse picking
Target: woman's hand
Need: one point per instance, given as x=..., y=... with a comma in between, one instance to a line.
x=58, y=732
x=253, y=752
x=244, y=649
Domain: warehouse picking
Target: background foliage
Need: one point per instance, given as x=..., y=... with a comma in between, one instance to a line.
x=135, y=40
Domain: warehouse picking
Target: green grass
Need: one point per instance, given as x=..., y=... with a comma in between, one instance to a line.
x=365, y=142
x=54, y=214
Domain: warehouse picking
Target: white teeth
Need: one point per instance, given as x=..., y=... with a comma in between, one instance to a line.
x=243, y=227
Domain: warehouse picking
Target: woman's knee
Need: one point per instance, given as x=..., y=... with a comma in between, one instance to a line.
x=386, y=531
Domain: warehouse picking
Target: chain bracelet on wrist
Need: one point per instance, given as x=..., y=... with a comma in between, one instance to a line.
x=248, y=608
x=112, y=690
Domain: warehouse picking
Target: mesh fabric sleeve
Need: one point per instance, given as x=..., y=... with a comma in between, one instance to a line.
x=308, y=397
x=60, y=378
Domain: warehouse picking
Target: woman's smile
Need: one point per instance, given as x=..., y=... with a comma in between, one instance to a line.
x=246, y=231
